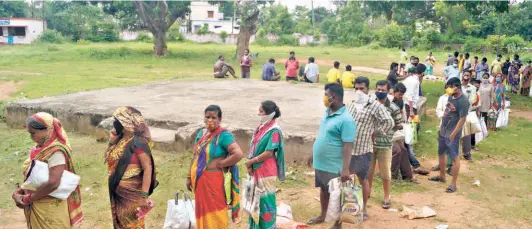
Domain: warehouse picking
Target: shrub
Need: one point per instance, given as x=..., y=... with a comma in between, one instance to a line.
x=223, y=36
x=52, y=36
x=110, y=53
x=261, y=33
x=204, y=30
x=103, y=32
x=513, y=44
x=473, y=44
x=434, y=37
x=391, y=36
x=83, y=42
x=144, y=37
x=174, y=34
x=374, y=45
x=288, y=40
x=262, y=41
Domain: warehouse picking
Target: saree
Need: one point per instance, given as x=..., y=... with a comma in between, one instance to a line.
x=49, y=212
x=527, y=77
x=128, y=204
x=513, y=78
x=265, y=138
x=209, y=189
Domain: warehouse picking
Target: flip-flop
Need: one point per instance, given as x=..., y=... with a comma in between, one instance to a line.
x=437, y=179
x=451, y=189
x=365, y=216
x=315, y=220
x=386, y=204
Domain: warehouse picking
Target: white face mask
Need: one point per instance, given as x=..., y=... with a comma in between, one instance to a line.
x=266, y=118
x=361, y=97
x=455, y=65
x=390, y=97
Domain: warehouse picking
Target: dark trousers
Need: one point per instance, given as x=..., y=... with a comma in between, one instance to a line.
x=412, y=156
x=485, y=116
x=466, y=146
x=400, y=161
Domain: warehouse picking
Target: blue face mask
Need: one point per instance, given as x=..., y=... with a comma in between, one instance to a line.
x=498, y=80
x=381, y=95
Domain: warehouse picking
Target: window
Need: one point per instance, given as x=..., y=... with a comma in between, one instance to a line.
x=16, y=31
x=217, y=26
x=210, y=14
x=1, y=31
x=237, y=27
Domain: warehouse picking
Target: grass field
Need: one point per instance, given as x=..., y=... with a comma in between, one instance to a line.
x=502, y=164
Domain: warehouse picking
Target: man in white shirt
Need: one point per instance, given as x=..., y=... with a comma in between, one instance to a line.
x=312, y=72
x=451, y=71
x=412, y=84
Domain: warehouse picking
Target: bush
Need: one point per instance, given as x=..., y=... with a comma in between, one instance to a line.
x=103, y=32
x=288, y=40
x=52, y=36
x=83, y=42
x=261, y=33
x=204, y=30
x=144, y=37
x=110, y=53
x=262, y=41
x=434, y=37
x=513, y=44
x=473, y=44
x=174, y=34
x=374, y=45
x=223, y=36
x=392, y=36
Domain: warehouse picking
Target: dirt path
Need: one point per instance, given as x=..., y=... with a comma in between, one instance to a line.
x=8, y=88
x=523, y=114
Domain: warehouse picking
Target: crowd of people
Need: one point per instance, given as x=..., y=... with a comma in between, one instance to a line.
x=353, y=138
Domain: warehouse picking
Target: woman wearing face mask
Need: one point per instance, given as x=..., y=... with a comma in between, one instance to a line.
x=43, y=211
x=131, y=169
x=215, y=151
x=527, y=77
x=266, y=163
x=486, y=96
x=499, y=91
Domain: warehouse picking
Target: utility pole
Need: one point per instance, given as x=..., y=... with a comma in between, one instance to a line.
x=499, y=40
x=313, y=23
x=233, y=19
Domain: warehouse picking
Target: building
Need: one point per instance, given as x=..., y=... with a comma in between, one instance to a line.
x=202, y=13
x=20, y=30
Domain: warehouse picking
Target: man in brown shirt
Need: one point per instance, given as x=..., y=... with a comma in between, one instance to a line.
x=221, y=68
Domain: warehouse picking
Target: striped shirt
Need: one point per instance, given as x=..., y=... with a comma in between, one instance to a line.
x=372, y=118
x=385, y=141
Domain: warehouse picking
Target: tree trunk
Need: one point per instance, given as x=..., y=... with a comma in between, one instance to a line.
x=247, y=29
x=159, y=43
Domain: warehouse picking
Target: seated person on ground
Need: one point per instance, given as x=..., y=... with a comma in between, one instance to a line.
x=268, y=71
x=312, y=72
x=348, y=78
x=333, y=76
x=221, y=68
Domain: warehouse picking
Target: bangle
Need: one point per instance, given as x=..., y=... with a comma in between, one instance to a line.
x=257, y=159
x=26, y=199
x=144, y=194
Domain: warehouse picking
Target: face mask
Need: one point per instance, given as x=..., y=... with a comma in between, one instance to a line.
x=449, y=91
x=326, y=101
x=498, y=58
x=118, y=127
x=498, y=80
x=485, y=81
x=398, y=102
x=466, y=81
x=210, y=124
x=381, y=95
x=455, y=65
x=390, y=97
x=361, y=97
x=266, y=118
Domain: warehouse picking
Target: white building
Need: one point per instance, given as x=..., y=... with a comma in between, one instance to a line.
x=204, y=13
x=20, y=30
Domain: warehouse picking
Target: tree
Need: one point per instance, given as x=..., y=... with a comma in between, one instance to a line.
x=158, y=17
x=277, y=20
x=12, y=8
x=77, y=20
x=349, y=26
x=320, y=14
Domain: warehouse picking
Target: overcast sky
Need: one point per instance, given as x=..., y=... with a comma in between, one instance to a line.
x=317, y=3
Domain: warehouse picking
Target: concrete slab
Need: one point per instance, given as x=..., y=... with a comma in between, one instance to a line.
x=177, y=107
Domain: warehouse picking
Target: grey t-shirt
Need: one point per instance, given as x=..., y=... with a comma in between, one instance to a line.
x=454, y=110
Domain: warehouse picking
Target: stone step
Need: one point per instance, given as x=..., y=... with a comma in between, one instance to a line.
x=164, y=139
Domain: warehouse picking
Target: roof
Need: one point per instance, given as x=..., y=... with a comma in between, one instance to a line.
x=22, y=18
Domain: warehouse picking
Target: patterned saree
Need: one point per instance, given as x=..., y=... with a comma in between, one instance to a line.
x=267, y=137
x=210, y=197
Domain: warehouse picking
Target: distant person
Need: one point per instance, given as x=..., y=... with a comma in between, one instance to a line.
x=450, y=132
x=475, y=63
x=402, y=61
x=451, y=71
x=331, y=152
x=470, y=92
x=268, y=71
x=312, y=72
x=496, y=65
x=451, y=59
x=393, y=75
x=245, y=64
x=505, y=67
x=499, y=98
x=527, y=77
x=221, y=68
x=467, y=63
x=482, y=67
x=409, y=68
x=461, y=61
x=513, y=76
x=430, y=62
x=486, y=96
x=333, y=76
x=291, y=66
x=348, y=78
x=401, y=168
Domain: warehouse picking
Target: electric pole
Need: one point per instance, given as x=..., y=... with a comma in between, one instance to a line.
x=313, y=23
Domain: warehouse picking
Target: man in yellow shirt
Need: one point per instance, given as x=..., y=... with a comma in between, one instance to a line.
x=333, y=76
x=348, y=78
x=496, y=65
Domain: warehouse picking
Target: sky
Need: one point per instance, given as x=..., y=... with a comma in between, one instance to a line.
x=291, y=4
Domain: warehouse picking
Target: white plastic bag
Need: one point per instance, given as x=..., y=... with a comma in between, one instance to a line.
x=180, y=214
x=285, y=220
x=251, y=199
x=474, y=123
x=39, y=174
x=502, y=120
x=333, y=210
x=484, y=133
x=409, y=133
x=398, y=135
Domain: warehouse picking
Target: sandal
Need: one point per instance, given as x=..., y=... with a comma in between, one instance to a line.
x=435, y=168
x=365, y=216
x=386, y=204
x=451, y=189
x=315, y=220
x=437, y=179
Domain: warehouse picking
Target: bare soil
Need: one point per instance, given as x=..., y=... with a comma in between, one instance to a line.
x=8, y=88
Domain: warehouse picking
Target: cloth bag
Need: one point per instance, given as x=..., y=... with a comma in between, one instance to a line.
x=409, y=134
x=335, y=191
x=484, y=133
x=180, y=214
x=473, y=122
x=251, y=198
x=352, y=203
x=502, y=119
x=39, y=174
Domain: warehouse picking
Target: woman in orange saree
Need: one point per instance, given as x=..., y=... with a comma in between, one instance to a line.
x=43, y=211
x=215, y=150
x=131, y=169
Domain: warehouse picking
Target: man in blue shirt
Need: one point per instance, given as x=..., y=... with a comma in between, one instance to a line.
x=268, y=71
x=331, y=153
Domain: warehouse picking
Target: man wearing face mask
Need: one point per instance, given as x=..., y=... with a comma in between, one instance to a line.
x=331, y=153
x=470, y=92
x=453, y=121
x=451, y=71
x=496, y=65
x=482, y=67
x=372, y=119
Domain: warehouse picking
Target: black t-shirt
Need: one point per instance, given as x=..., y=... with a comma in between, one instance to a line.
x=455, y=109
x=392, y=78
x=505, y=67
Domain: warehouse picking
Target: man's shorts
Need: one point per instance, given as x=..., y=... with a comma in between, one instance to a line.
x=445, y=146
x=360, y=165
x=290, y=78
x=246, y=75
x=322, y=178
x=384, y=157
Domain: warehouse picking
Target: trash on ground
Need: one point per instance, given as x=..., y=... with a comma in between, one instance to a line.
x=285, y=219
x=442, y=226
x=415, y=212
x=310, y=173
x=477, y=183
x=428, y=131
x=393, y=210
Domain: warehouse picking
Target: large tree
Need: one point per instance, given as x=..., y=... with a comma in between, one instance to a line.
x=12, y=8
x=276, y=19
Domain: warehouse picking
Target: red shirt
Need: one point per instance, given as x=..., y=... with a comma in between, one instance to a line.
x=247, y=61
x=291, y=66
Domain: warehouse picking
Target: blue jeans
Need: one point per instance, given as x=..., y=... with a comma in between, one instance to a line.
x=412, y=156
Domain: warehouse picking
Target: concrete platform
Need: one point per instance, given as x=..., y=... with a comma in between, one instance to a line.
x=174, y=110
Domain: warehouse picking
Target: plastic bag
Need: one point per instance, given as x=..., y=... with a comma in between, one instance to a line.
x=227, y=186
x=409, y=134
x=502, y=120
x=474, y=123
x=333, y=210
x=398, y=135
x=484, y=133
x=284, y=219
x=180, y=214
x=352, y=203
x=251, y=199
x=412, y=212
x=39, y=174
